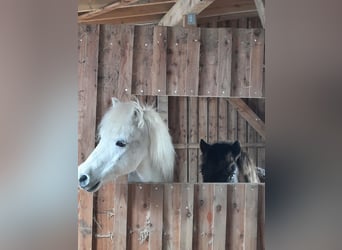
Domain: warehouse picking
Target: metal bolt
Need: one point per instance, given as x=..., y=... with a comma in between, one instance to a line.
x=126, y=90
x=145, y=44
x=141, y=91
x=158, y=90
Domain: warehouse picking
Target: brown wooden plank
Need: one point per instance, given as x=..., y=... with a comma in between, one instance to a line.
x=236, y=217
x=193, y=138
x=109, y=75
x=178, y=130
x=202, y=126
x=261, y=217
x=212, y=120
x=142, y=60
x=251, y=216
x=219, y=211
x=126, y=63
x=247, y=113
x=208, y=62
x=120, y=216
x=203, y=217
x=241, y=128
x=247, y=74
x=156, y=217
x=241, y=74
x=171, y=214
x=178, y=216
x=135, y=20
x=87, y=84
x=186, y=233
x=109, y=65
x=232, y=123
x=136, y=10
x=176, y=61
x=139, y=219
x=224, y=61
x=222, y=119
x=104, y=217
x=251, y=137
x=158, y=79
x=192, y=61
x=257, y=62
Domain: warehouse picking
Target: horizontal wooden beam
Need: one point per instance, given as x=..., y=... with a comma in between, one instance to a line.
x=148, y=19
x=226, y=8
x=196, y=145
x=248, y=114
x=183, y=7
x=261, y=11
x=105, y=9
x=133, y=11
x=230, y=16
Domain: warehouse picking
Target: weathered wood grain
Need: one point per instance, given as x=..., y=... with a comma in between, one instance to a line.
x=87, y=83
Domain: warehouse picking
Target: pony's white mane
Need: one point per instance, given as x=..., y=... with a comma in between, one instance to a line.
x=161, y=150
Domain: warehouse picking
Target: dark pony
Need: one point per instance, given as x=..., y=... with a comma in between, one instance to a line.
x=227, y=162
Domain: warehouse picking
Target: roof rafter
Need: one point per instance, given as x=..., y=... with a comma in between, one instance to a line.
x=183, y=7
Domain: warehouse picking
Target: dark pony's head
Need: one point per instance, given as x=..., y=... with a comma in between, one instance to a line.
x=219, y=160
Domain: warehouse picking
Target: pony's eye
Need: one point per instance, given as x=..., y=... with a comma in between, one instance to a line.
x=120, y=144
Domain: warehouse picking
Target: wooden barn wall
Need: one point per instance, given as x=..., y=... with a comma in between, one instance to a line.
x=183, y=216
x=173, y=70
x=176, y=61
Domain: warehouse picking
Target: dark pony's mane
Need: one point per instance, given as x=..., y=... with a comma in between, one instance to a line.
x=226, y=162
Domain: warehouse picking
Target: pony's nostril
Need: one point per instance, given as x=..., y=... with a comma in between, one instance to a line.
x=84, y=180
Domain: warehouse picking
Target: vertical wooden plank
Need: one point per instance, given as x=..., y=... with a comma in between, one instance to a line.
x=242, y=129
x=236, y=217
x=193, y=139
x=158, y=79
x=241, y=74
x=156, y=217
x=87, y=84
x=176, y=70
x=126, y=63
x=212, y=119
x=171, y=220
x=120, y=216
x=232, y=123
x=222, y=119
x=139, y=220
x=178, y=216
x=208, y=62
x=261, y=217
x=104, y=217
x=257, y=62
x=192, y=61
x=202, y=127
x=224, y=61
x=109, y=63
x=247, y=74
x=203, y=217
x=142, y=60
x=219, y=211
x=251, y=216
x=186, y=232
x=251, y=136
x=178, y=129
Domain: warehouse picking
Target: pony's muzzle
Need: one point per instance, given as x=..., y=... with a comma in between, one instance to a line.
x=84, y=181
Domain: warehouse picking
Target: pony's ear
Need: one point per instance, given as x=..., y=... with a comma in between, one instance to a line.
x=204, y=146
x=115, y=101
x=139, y=117
x=236, y=148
